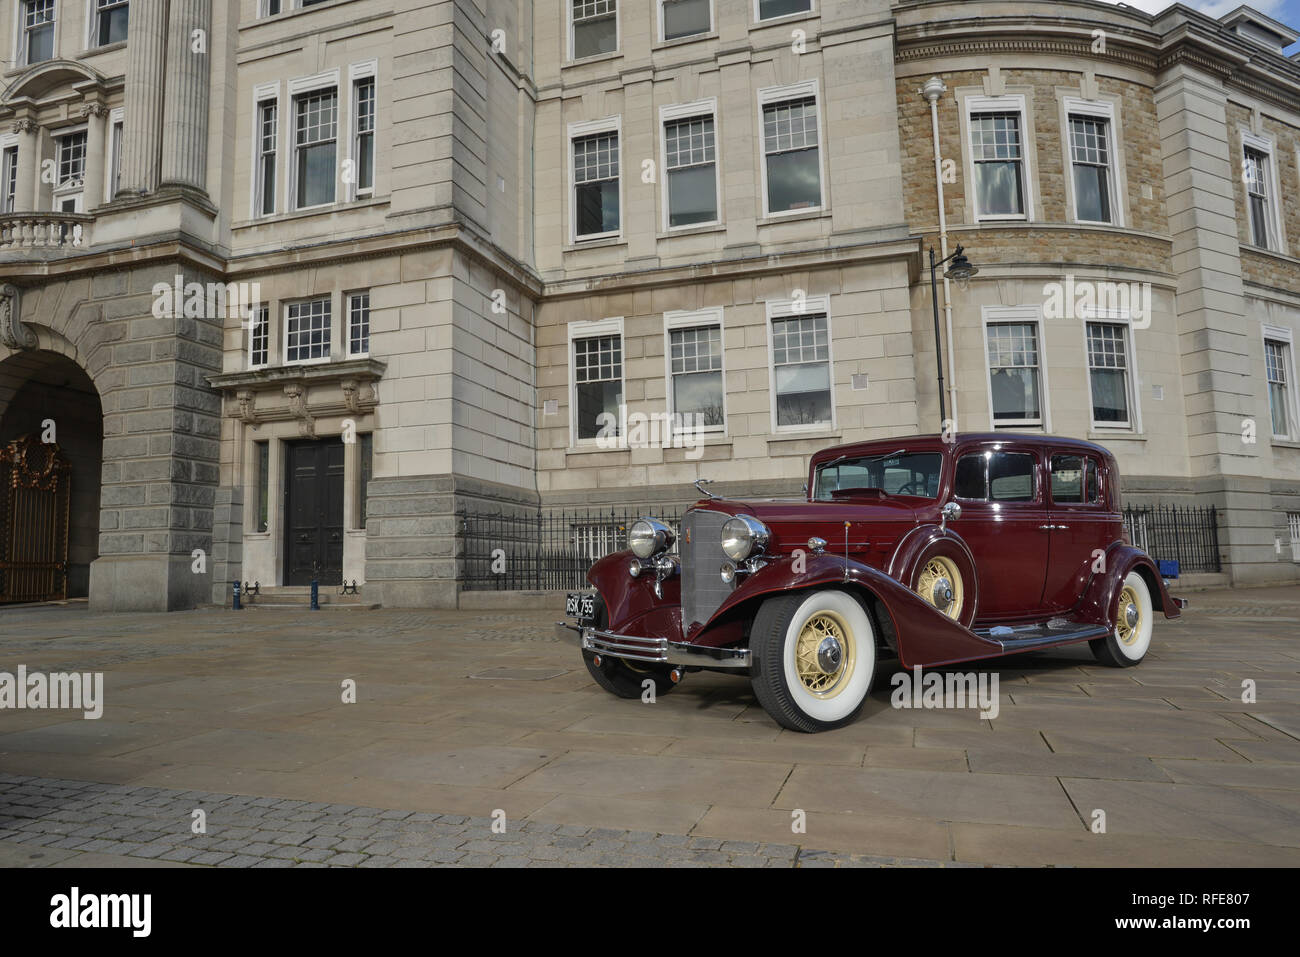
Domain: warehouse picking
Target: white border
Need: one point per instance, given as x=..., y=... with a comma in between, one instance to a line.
x=1010, y=103
x=659, y=8
x=1274, y=227
x=1131, y=376
x=248, y=352
x=261, y=93
x=991, y=315
x=347, y=324
x=618, y=33
x=683, y=111
x=1100, y=109
x=591, y=329
x=297, y=88
x=693, y=319
x=115, y=116
x=784, y=309
x=578, y=131
x=366, y=69
x=778, y=94
x=1283, y=335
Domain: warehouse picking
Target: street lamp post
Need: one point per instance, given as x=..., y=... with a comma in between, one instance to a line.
x=961, y=270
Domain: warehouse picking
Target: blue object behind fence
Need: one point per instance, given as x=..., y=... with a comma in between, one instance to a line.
x=1169, y=567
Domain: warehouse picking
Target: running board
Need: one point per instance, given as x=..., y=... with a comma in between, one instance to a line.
x=1027, y=637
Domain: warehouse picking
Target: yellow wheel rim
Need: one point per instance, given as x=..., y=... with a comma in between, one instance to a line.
x=821, y=671
x=1128, y=631
x=938, y=579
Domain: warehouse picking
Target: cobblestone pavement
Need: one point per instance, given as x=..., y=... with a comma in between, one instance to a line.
x=47, y=821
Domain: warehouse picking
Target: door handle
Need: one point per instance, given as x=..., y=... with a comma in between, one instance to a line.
x=1046, y=528
x=1062, y=528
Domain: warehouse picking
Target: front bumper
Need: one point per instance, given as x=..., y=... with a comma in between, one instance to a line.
x=659, y=651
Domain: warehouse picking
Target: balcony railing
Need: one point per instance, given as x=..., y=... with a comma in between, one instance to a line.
x=60, y=232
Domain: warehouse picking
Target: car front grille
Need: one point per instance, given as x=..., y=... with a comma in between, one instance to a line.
x=700, y=549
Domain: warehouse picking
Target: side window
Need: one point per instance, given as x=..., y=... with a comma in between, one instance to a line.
x=1074, y=480
x=971, y=481
x=1011, y=477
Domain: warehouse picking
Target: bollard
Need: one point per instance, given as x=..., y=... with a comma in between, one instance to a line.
x=315, y=595
x=235, y=606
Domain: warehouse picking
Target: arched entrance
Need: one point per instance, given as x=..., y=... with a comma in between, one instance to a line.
x=47, y=395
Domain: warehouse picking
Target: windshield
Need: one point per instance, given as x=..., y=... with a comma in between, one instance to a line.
x=909, y=473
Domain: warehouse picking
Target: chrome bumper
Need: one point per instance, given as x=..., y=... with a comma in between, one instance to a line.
x=659, y=651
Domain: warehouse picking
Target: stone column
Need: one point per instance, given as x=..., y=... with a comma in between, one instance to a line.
x=185, y=112
x=96, y=117
x=142, y=126
x=29, y=165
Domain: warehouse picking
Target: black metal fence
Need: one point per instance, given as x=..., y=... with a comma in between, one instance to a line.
x=1186, y=533
x=544, y=550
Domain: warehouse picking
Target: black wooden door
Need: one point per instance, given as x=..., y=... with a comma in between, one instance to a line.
x=313, y=506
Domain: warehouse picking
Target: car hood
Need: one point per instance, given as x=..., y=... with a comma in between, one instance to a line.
x=777, y=513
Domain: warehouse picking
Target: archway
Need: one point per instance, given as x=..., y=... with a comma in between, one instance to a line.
x=48, y=394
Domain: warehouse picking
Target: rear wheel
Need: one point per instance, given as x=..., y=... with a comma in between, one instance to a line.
x=813, y=657
x=624, y=679
x=1128, y=643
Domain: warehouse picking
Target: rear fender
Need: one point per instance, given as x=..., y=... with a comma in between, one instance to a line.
x=1100, y=602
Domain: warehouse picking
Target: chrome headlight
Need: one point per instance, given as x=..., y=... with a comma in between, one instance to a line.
x=647, y=538
x=743, y=536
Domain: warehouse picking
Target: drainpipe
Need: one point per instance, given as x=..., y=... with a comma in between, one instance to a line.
x=933, y=89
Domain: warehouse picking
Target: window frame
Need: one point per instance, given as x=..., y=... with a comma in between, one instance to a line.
x=113, y=162
x=1020, y=315
x=768, y=96
x=1273, y=225
x=284, y=330
x=594, y=329
x=1007, y=103
x=572, y=33
x=262, y=309
x=94, y=11
x=784, y=309
x=1091, y=465
x=1102, y=110
x=348, y=299
x=760, y=20
x=8, y=172
x=297, y=89
x=582, y=130
x=358, y=73
x=663, y=30
x=1131, y=377
x=694, y=319
x=1284, y=337
x=675, y=114
x=22, y=51
x=263, y=94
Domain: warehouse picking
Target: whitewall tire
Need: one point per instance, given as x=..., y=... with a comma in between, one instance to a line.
x=1134, y=622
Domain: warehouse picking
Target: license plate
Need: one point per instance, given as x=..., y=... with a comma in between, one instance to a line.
x=578, y=605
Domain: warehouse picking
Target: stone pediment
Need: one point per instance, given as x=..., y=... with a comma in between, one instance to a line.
x=302, y=392
x=52, y=76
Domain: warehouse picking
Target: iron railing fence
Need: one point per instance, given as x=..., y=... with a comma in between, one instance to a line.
x=1189, y=534
x=549, y=549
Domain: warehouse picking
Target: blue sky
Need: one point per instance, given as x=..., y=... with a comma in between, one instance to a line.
x=1286, y=11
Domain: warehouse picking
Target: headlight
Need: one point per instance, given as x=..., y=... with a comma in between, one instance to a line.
x=744, y=536
x=647, y=538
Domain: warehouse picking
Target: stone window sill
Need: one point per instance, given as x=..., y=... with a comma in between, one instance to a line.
x=298, y=214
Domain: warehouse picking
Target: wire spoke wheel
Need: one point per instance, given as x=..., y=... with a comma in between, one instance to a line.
x=824, y=654
x=940, y=583
x=1129, y=626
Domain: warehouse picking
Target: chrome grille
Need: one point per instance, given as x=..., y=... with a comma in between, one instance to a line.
x=700, y=549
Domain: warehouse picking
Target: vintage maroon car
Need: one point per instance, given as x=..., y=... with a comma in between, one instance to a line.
x=931, y=550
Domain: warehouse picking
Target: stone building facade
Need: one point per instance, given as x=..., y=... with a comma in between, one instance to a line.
x=303, y=283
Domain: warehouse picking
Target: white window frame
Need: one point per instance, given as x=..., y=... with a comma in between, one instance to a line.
x=1293, y=532
x=1114, y=317
x=8, y=141
x=778, y=94
x=116, y=129
x=1283, y=335
x=593, y=329
x=578, y=131
x=1102, y=110
x=713, y=25
x=284, y=331
x=347, y=323
x=812, y=9
x=92, y=24
x=261, y=94
x=571, y=33
x=686, y=111
x=683, y=319
x=20, y=36
x=305, y=86
x=1009, y=103
x=261, y=307
x=994, y=315
x=785, y=309
x=365, y=70
x=1273, y=226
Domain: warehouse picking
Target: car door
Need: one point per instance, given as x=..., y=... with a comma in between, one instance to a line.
x=1000, y=490
x=1080, y=524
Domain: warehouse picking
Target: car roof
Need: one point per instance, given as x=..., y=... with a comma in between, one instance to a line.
x=963, y=440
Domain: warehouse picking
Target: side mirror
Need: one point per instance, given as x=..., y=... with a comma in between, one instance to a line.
x=950, y=512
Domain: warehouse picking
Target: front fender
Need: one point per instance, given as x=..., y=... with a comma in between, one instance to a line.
x=925, y=636
x=1100, y=600
x=631, y=603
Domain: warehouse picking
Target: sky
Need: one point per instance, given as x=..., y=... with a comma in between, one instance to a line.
x=1284, y=11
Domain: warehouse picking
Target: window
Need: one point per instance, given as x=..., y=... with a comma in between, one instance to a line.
x=1108, y=373
x=691, y=177
x=359, y=324
x=1074, y=480
x=271, y=7
x=684, y=18
x=262, y=457
x=597, y=379
x=595, y=27
x=315, y=142
x=364, y=146
x=72, y=159
x=912, y=473
x=1259, y=202
x=695, y=386
x=1011, y=477
x=307, y=331
x=8, y=179
x=972, y=479
x=1014, y=373
x=259, y=336
x=771, y=9
x=791, y=154
x=1277, y=362
x=115, y=157
x=1090, y=155
x=110, y=21
x=1293, y=528
x=38, y=30
x=596, y=187
x=998, y=157
x=801, y=367
x=365, y=470
x=268, y=126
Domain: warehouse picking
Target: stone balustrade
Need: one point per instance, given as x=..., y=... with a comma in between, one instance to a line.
x=68, y=232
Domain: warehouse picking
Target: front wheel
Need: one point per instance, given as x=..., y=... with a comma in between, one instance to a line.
x=626, y=679
x=813, y=658
x=1134, y=620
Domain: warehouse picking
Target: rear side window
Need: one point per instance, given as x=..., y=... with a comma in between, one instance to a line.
x=1074, y=480
x=1011, y=477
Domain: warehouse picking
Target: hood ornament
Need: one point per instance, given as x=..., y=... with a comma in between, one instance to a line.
x=699, y=483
